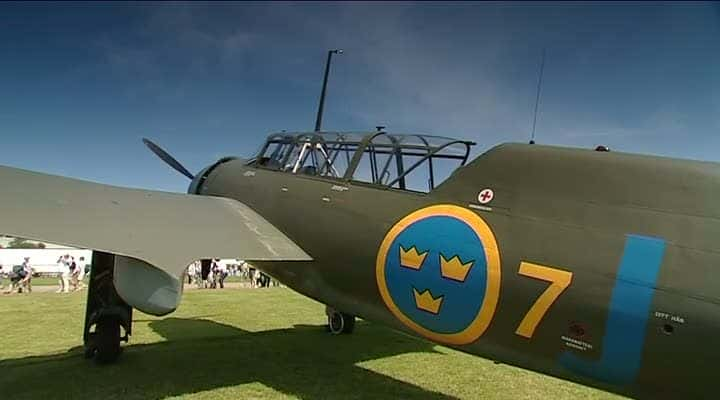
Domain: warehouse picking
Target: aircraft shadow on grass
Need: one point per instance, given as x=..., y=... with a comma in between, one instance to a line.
x=201, y=355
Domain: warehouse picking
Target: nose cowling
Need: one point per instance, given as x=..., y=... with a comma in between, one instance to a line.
x=198, y=180
x=196, y=185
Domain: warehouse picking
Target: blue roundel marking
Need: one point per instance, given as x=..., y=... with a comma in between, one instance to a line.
x=461, y=301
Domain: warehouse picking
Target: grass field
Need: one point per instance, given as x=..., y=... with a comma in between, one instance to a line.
x=244, y=344
x=44, y=281
x=53, y=281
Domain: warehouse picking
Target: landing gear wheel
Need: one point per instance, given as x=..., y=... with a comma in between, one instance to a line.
x=339, y=323
x=107, y=340
x=105, y=313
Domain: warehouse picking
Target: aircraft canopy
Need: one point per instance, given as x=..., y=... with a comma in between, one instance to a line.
x=402, y=161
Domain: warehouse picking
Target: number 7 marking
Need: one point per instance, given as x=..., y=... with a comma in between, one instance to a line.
x=559, y=281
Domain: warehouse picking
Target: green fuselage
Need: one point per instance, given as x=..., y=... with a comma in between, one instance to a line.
x=628, y=246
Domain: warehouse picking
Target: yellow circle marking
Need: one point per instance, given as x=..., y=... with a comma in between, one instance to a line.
x=492, y=258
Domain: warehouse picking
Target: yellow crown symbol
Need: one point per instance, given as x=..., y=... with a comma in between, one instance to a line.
x=424, y=301
x=411, y=258
x=454, y=268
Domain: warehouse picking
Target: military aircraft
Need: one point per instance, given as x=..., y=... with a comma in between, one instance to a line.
x=597, y=267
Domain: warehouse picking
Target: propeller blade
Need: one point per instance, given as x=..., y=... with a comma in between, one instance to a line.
x=167, y=158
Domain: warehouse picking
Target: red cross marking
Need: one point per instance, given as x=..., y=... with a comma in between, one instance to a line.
x=485, y=196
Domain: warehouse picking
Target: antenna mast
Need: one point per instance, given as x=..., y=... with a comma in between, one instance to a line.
x=537, y=96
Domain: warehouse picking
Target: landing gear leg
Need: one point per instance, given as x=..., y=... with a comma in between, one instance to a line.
x=339, y=322
x=106, y=312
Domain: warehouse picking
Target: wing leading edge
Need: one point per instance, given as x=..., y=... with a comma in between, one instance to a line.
x=166, y=230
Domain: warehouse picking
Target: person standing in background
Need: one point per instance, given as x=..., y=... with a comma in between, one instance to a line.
x=60, y=267
x=27, y=281
x=211, y=278
x=65, y=263
x=251, y=276
x=197, y=278
x=191, y=272
x=205, y=271
x=73, y=276
x=215, y=273
x=222, y=273
x=81, y=273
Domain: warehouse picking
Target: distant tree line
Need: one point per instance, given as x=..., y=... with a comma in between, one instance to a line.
x=18, y=243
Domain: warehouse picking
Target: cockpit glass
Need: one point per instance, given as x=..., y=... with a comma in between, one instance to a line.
x=400, y=161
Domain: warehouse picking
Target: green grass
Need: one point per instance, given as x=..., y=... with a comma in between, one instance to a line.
x=39, y=281
x=244, y=344
x=46, y=281
x=235, y=279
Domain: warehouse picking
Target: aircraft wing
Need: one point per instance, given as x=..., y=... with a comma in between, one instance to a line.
x=168, y=231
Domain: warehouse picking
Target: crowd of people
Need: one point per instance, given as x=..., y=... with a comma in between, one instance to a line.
x=20, y=277
x=205, y=274
x=70, y=275
x=211, y=274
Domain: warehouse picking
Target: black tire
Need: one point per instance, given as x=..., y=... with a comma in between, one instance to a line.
x=107, y=341
x=336, y=323
x=340, y=323
x=349, y=323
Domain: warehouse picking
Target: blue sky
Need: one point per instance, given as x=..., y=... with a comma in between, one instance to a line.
x=81, y=84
